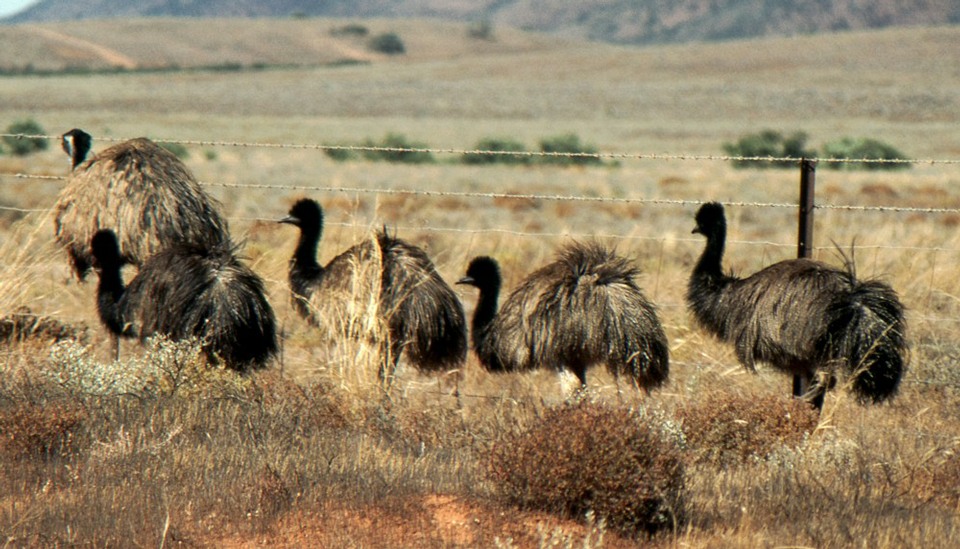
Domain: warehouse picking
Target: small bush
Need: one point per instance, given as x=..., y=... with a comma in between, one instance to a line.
x=388, y=43
x=564, y=146
x=22, y=146
x=769, y=143
x=497, y=145
x=340, y=155
x=350, y=29
x=591, y=458
x=726, y=428
x=400, y=150
x=481, y=30
x=177, y=149
x=29, y=430
x=863, y=148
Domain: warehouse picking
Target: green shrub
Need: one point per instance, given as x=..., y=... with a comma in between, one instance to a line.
x=497, y=145
x=481, y=30
x=725, y=428
x=177, y=149
x=388, y=43
x=587, y=457
x=769, y=143
x=340, y=155
x=400, y=150
x=863, y=148
x=22, y=146
x=564, y=146
x=350, y=29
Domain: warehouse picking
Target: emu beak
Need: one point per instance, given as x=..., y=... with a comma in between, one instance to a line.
x=466, y=280
x=696, y=230
x=289, y=220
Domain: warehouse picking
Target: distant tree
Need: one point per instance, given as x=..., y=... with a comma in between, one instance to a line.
x=400, y=150
x=177, y=149
x=388, y=43
x=495, y=144
x=350, y=29
x=568, y=150
x=863, y=148
x=481, y=30
x=22, y=146
x=769, y=143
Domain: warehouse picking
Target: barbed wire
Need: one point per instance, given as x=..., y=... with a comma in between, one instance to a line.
x=594, y=155
x=517, y=196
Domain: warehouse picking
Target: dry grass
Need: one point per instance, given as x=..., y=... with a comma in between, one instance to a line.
x=308, y=452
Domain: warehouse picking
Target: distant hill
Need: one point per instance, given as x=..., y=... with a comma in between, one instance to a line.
x=618, y=21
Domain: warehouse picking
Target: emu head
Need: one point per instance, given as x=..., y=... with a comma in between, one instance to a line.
x=305, y=214
x=710, y=219
x=76, y=143
x=482, y=273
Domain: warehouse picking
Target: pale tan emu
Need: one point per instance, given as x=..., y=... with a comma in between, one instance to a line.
x=802, y=317
x=582, y=309
x=140, y=191
x=383, y=289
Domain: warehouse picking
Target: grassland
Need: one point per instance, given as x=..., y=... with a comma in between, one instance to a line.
x=298, y=455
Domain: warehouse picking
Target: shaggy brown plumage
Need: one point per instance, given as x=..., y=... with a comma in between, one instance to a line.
x=803, y=317
x=186, y=291
x=140, y=191
x=384, y=289
x=582, y=309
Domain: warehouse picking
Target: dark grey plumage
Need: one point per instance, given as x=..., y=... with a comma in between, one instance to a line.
x=803, y=317
x=385, y=281
x=582, y=309
x=187, y=291
x=138, y=190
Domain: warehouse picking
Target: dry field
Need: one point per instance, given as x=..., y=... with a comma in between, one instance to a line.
x=307, y=454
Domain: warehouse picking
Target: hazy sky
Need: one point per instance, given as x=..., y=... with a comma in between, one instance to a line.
x=9, y=7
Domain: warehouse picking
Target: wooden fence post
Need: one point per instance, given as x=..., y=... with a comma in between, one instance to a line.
x=808, y=177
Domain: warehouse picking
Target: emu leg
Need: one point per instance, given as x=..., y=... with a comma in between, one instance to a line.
x=569, y=388
x=809, y=388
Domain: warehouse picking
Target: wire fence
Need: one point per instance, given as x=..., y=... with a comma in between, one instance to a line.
x=925, y=317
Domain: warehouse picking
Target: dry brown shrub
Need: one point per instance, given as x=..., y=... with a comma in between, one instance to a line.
x=587, y=457
x=518, y=204
x=316, y=404
x=269, y=496
x=46, y=430
x=938, y=481
x=672, y=181
x=725, y=428
x=22, y=325
x=879, y=190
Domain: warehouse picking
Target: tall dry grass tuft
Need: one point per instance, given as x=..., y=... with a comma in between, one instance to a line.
x=352, y=328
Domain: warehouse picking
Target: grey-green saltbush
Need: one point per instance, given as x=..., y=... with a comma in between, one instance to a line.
x=495, y=145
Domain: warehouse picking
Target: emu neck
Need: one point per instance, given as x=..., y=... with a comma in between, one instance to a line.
x=109, y=291
x=485, y=312
x=709, y=265
x=304, y=263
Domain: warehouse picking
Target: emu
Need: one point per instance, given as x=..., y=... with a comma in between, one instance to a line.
x=802, y=317
x=186, y=291
x=582, y=309
x=138, y=190
x=413, y=309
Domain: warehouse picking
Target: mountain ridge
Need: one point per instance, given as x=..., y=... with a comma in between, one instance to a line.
x=636, y=22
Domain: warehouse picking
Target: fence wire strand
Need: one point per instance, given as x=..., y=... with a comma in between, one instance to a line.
x=596, y=155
